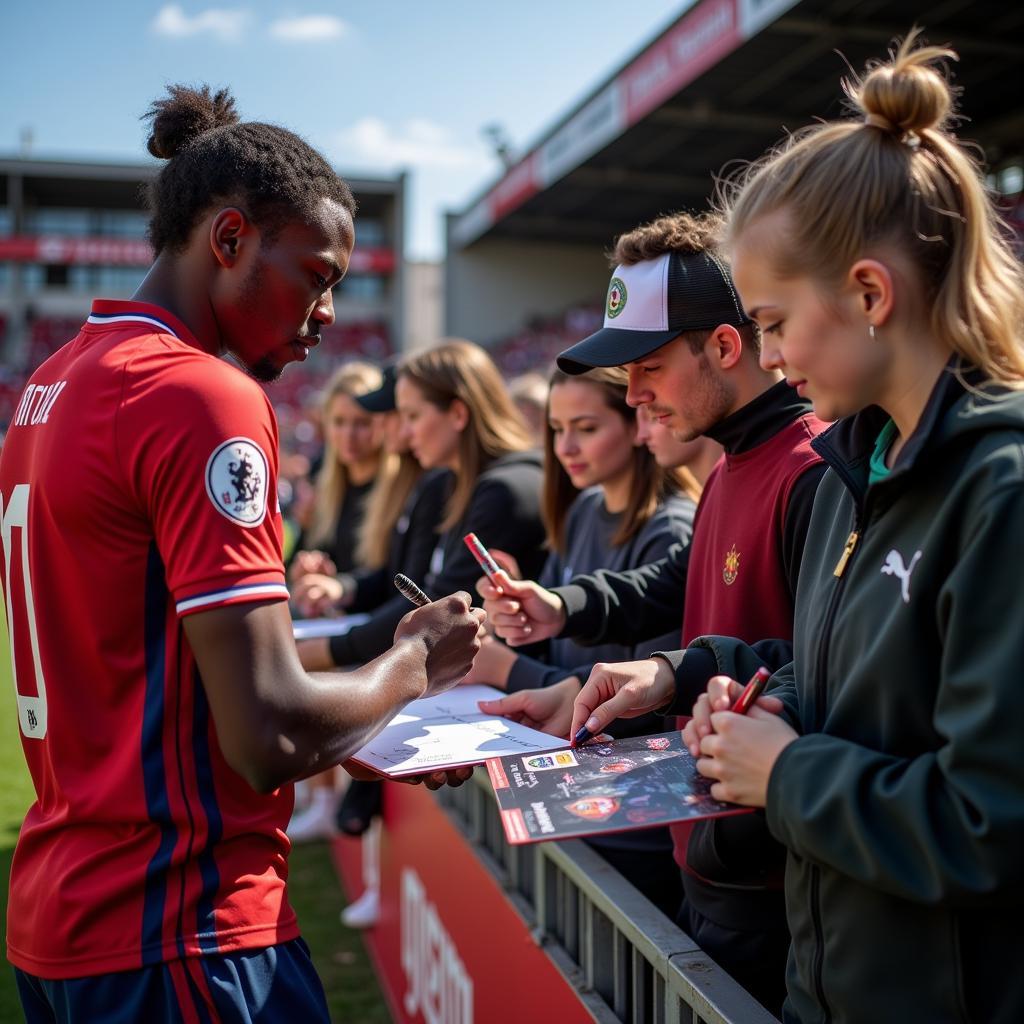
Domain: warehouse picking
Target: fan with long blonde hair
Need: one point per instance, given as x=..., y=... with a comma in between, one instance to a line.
x=334, y=478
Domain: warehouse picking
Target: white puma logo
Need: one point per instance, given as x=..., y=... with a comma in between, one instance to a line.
x=894, y=567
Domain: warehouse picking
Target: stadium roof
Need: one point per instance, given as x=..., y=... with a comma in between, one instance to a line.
x=105, y=185
x=723, y=83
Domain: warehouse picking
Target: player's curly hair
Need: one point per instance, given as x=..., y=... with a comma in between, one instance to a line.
x=213, y=157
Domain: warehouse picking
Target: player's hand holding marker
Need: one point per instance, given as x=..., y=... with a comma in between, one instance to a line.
x=450, y=628
x=451, y=631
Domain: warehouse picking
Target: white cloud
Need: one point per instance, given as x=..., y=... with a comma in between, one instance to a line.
x=171, y=20
x=418, y=142
x=312, y=28
x=445, y=170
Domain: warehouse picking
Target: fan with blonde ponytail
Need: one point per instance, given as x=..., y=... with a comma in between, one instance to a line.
x=895, y=175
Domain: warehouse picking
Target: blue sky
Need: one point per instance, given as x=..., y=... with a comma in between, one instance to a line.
x=377, y=86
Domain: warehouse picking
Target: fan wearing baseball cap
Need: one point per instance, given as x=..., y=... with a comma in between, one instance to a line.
x=674, y=320
x=653, y=299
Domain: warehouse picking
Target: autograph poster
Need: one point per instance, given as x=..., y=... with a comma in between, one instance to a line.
x=600, y=788
x=447, y=731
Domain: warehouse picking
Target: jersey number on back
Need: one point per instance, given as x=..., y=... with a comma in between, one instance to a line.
x=31, y=704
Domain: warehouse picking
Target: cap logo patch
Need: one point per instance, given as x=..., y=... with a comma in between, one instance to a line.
x=236, y=481
x=616, y=297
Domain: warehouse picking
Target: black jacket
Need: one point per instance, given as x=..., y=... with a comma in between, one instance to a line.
x=503, y=511
x=902, y=803
x=412, y=542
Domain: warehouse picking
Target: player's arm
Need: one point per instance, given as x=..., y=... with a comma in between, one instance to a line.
x=275, y=722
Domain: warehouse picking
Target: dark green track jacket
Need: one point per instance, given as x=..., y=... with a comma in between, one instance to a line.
x=902, y=802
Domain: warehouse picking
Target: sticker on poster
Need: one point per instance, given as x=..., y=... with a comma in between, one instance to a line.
x=548, y=762
x=594, y=808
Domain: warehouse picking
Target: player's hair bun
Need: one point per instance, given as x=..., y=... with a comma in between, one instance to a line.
x=907, y=93
x=186, y=114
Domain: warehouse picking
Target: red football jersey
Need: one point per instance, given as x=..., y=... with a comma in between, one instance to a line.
x=138, y=485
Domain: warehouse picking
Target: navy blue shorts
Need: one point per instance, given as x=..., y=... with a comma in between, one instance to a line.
x=257, y=986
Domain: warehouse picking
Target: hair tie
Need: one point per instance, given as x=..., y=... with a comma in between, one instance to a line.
x=882, y=122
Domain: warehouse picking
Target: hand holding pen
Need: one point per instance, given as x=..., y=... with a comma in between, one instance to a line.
x=751, y=692
x=736, y=737
x=484, y=558
x=725, y=694
x=450, y=630
x=520, y=611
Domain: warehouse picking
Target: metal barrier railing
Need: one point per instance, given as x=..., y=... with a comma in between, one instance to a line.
x=628, y=962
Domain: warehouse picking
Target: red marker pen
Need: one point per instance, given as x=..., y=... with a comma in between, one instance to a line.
x=751, y=691
x=483, y=556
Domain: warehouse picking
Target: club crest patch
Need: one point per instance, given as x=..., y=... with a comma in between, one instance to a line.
x=616, y=297
x=236, y=481
x=731, y=569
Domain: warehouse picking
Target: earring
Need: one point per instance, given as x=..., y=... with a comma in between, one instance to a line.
x=871, y=331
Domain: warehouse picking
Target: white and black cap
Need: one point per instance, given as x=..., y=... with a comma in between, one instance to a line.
x=652, y=302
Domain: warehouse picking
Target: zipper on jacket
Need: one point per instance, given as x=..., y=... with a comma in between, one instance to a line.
x=851, y=543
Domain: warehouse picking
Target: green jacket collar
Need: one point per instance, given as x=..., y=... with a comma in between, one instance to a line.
x=954, y=408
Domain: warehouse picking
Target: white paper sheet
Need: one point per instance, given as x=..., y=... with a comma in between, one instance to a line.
x=304, y=629
x=449, y=731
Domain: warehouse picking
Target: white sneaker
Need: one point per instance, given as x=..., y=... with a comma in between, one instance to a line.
x=316, y=821
x=365, y=912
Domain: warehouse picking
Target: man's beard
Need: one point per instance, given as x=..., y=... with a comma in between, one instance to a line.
x=712, y=396
x=265, y=370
